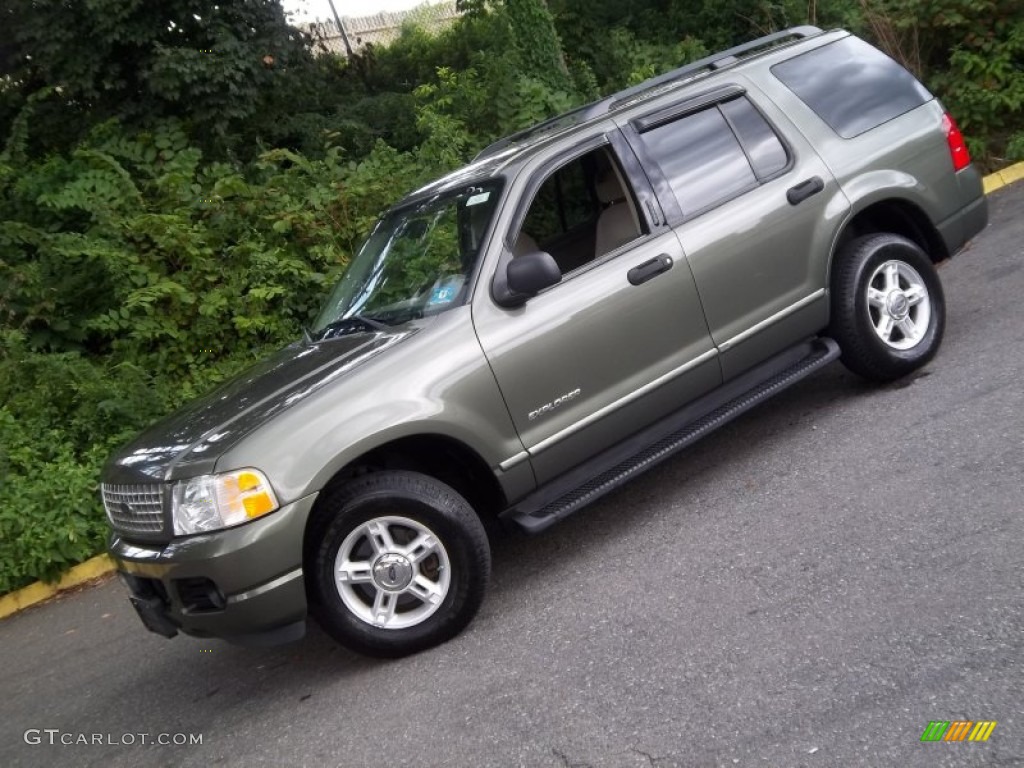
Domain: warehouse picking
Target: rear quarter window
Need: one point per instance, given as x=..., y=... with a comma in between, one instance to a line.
x=851, y=85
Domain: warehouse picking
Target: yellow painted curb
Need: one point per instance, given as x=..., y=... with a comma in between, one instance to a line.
x=35, y=593
x=1002, y=178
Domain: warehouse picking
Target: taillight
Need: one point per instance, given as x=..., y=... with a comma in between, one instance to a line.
x=955, y=140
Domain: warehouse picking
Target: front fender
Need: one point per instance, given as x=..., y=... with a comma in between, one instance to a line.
x=436, y=383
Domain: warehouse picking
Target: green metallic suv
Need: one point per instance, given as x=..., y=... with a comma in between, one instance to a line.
x=584, y=299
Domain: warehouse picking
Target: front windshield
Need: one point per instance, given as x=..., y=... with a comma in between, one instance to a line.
x=416, y=262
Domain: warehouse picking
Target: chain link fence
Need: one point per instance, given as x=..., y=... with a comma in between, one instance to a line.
x=378, y=29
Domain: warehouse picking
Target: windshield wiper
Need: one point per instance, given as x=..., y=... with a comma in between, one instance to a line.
x=345, y=326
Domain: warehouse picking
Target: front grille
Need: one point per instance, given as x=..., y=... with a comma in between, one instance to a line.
x=134, y=508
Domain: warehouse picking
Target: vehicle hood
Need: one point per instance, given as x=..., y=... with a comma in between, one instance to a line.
x=189, y=441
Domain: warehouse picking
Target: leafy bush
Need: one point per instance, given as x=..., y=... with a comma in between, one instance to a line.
x=971, y=54
x=133, y=277
x=60, y=415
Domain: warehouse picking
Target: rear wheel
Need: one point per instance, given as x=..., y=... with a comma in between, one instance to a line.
x=400, y=562
x=888, y=309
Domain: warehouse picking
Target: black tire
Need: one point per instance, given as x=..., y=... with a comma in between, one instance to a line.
x=858, y=325
x=433, y=508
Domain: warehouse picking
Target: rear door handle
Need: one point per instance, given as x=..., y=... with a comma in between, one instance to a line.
x=644, y=272
x=804, y=189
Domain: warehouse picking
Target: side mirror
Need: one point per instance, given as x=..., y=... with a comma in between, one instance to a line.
x=531, y=273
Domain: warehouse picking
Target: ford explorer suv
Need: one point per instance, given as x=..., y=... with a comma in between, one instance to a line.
x=514, y=340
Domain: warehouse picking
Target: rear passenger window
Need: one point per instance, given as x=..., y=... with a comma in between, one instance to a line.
x=701, y=159
x=713, y=155
x=851, y=85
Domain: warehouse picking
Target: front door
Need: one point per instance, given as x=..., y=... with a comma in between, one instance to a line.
x=622, y=340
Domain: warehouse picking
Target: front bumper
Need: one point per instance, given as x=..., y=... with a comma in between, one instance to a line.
x=243, y=584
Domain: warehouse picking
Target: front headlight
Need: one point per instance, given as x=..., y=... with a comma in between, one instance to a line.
x=212, y=502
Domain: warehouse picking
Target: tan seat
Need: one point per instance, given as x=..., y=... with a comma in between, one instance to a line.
x=616, y=225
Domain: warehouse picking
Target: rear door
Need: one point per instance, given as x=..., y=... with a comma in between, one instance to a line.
x=755, y=210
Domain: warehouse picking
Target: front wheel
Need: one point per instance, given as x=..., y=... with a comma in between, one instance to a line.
x=400, y=563
x=888, y=309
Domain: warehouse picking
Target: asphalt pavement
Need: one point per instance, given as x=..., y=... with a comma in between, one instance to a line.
x=810, y=586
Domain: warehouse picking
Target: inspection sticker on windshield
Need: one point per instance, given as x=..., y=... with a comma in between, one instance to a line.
x=445, y=291
x=476, y=199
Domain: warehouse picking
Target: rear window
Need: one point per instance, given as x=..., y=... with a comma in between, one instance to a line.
x=852, y=86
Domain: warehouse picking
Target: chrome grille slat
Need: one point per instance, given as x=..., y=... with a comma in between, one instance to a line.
x=135, y=508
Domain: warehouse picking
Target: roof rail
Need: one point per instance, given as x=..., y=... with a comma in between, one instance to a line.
x=717, y=61
x=535, y=130
x=712, y=63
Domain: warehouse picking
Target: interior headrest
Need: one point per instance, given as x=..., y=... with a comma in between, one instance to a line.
x=608, y=188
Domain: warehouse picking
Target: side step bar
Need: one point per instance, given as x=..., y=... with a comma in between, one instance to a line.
x=579, y=487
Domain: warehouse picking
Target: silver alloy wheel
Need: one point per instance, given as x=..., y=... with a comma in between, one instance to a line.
x=898, y=304
x=392, y=572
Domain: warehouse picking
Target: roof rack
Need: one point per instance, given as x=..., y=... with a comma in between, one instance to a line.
x=713, y=63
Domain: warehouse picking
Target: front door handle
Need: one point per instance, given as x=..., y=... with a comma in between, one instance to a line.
x=804, y=189
x=644, y=272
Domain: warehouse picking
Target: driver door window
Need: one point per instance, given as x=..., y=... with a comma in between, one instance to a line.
x=581, y=212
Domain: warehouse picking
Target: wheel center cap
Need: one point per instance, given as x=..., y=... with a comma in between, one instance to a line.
x=897, y=305
x=392, y=572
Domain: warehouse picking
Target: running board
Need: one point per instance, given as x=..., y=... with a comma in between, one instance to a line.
x=565, y=495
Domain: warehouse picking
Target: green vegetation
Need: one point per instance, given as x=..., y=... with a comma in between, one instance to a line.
x=181, y=182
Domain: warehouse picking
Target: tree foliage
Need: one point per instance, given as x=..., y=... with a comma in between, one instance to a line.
x=180, y=183
x=971, y=52
x=234, y=72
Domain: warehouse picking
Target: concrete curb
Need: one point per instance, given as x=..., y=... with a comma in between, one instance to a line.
x=100, y=566
x=1002, y=178
x=20, y=599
